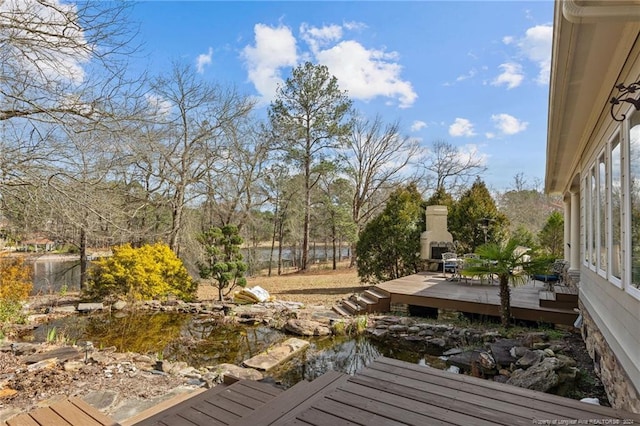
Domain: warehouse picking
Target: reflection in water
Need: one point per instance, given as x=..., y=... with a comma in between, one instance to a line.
x=52, y=275
x=204, y=342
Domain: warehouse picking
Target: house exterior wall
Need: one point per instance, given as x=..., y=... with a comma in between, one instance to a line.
x=590, y=59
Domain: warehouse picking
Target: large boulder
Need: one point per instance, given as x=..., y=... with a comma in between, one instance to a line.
x=474, y=360
x=306, y=327
x=540, y=377
x=501, y=351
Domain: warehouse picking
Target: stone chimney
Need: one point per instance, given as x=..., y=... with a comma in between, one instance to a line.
x=436, y=239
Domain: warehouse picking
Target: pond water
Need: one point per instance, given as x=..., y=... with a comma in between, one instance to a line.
x=203, y=342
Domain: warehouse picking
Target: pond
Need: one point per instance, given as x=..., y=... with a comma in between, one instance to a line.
x=201, y=342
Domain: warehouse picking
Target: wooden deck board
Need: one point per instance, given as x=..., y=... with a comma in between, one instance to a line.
x=297, y=398
x=72, y=411
x=433, y=290
x=390, y=393
x=221, y=405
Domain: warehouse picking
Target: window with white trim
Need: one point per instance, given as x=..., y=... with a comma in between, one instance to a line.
x=615, y=211
x=634, y=200
x=601, y=245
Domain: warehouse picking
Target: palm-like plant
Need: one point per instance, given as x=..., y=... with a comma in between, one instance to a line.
x=510, y=263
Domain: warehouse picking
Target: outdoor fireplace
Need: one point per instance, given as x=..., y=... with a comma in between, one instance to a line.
x=436, y=239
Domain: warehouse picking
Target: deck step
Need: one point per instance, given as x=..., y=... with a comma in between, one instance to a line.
x=375, y=294
x=566, y=294
x=550, y=299
x=352, y=307
x=338, y=309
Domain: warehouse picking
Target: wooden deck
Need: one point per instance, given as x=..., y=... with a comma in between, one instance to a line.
x=72, y=411
x=434, y=291
x=390, y=393
x=218, y=406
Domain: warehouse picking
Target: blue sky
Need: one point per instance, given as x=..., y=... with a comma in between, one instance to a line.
x=473, y=73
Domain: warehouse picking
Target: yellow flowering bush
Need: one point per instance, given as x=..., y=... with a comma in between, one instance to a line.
x=16, y=281
x=152, y=271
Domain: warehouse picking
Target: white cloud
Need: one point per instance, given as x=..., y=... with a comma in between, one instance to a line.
x=511, y=76
x=38, y=24
x=320, y=37
x=508, y=39
x=418, y=125
x=203, y=59
x=367, y=73
x=364, y=73
x=536, y=46
x=489, y=135
x=472, y=73
x=354, y=26
x=461, y=127
x=274, y=48
x=508, y=124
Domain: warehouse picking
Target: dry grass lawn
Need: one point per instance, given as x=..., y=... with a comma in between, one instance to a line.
x=315, y=287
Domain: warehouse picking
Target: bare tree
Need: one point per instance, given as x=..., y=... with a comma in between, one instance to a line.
x=194, y=121
x=376, y=159
x=452, y=168
x=62, y=62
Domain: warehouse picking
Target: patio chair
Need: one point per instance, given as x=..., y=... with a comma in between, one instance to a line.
x=448, y=264
x=555, y=275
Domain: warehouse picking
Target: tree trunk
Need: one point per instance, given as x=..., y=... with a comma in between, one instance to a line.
x=505, y=302
x=333, y=243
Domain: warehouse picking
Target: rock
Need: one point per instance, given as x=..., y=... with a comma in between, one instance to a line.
x=46, y=364
x=119, y=305
x=277, y=354
x=548, y=352
x=73, y=365
x=500, y=378
x=398, y=328
x=436, y=341
x=537, y=337
x=501, y=352
x=239, y=372
x=453, y=351
x=530, y=358
x=68, y=309
x=88, y=307
x=471, y=360
x=62, y=354
x=595, y=401
x=307, y=328
x=101, y=399
x=19, y=348
x=540, y=377
x=519, y=351
x=453, y=369
x=379, y=332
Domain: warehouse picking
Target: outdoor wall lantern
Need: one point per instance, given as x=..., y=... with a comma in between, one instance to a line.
x=626, y=95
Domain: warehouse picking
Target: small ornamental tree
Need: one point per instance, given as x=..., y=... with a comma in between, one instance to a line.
x=223, y=264
x=152, y=271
